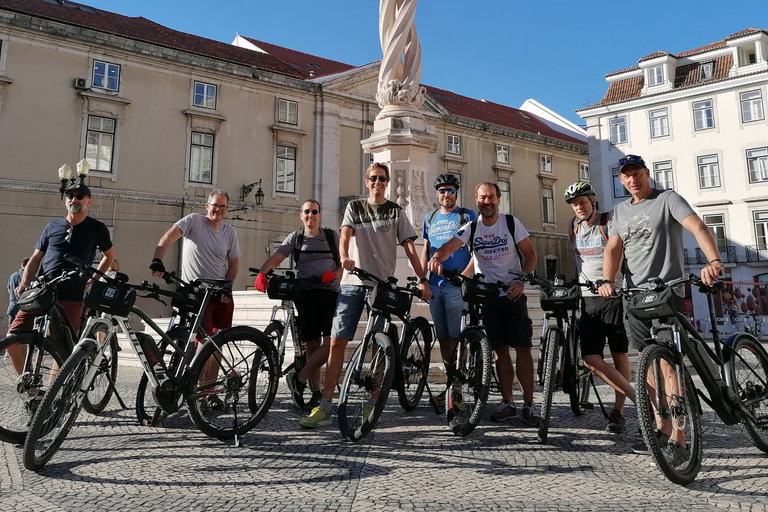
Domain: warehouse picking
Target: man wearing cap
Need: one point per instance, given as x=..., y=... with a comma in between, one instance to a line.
x=76, y=235
x=446, y=304
x=647, y=231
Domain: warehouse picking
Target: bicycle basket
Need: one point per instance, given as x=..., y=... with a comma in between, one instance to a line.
x=37, y=300
x=394, y=302
x=652, y=305
x=558, y=298
x=283, y=288
x=190, y=299
x=110, y=298
x=479, y=292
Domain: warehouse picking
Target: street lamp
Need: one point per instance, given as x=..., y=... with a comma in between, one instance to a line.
x=258, y=196
x=67, y=177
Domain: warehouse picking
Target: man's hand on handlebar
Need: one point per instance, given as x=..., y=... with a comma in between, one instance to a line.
x=515, y=290
x=606, y=289
x=424, y=292
x=712, y=272
x=157, y=267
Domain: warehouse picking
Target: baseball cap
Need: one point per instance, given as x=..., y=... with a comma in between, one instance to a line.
x=628, y=160
x=82, y=188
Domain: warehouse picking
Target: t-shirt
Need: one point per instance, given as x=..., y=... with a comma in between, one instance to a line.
x=652, y=233
x=13, y=281
x=589, y=249
x=378, y=230
x=86, y=237
x=494, y=251
x=442, y=229
x=206, y=250
x=315, y=259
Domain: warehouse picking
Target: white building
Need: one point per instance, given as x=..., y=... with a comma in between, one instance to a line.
x=698, y=120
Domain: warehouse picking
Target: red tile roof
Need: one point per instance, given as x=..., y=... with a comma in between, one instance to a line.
x=302, y=62
x=654, y=55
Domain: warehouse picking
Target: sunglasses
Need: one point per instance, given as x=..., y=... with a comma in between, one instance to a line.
x=80, y=196
x=313, y=212
x=446, y=191
x=632, y=159
x=70, y=229
x=382, y=179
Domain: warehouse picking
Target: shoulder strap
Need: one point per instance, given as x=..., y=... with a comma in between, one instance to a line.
x=431, y=218
x=511, y=228
x=472, y=229
x=330, y=236
x=603, y=224
x=298, y=243
x=462, y=216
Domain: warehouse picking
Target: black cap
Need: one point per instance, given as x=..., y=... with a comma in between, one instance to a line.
x=82, y=188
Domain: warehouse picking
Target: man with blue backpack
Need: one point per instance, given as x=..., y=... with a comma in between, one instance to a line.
x=446, y=304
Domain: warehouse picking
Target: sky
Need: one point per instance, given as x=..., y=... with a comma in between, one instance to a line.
x=506, y=51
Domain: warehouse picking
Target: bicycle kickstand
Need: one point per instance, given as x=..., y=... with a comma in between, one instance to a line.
x=117, y=395
x=599, y=401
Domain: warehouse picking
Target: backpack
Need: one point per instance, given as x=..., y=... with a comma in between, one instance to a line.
x=330, y=236
x=510, y=226
x=602, y=224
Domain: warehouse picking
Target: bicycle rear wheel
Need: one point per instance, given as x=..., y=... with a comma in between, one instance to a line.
x=101, y=390
x=579, y=396
x=232, y=382
x=414, y=359
x=57, y=412
x=39, y=359
x=365, y=389
x=552, y=379
x=667, y=411
x=749, y=378
x=467, y=392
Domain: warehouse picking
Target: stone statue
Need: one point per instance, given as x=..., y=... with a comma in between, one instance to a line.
x=400, y=92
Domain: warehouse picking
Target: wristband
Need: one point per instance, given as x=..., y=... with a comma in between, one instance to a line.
x=601, y=282
x=714, y=260
x=423, y=280
x=435, y=257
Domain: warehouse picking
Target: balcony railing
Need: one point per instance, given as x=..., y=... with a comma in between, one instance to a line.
x=757, y=253
x=726, y=256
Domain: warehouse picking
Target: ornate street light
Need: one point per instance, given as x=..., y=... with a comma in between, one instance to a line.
x=246, y=189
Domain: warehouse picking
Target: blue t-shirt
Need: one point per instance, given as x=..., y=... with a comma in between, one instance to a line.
x=443, y=228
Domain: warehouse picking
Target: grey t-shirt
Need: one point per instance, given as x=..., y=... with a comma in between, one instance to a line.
x=314, y=260
x=379, y=229
x=588, y=250
x=652, y=233
x=206, y=250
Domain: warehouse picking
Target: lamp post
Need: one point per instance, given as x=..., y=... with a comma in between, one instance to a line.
x=258, y=196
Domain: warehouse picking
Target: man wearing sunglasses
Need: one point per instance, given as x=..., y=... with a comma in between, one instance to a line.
x=370, y=233
x=446, y=304
x=78, y=235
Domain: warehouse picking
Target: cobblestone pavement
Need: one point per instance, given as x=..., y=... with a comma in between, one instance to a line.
x=410, y=462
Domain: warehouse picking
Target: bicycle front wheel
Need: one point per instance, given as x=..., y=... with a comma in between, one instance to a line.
x=274, y=331
x=101, y=390
x=57, y=412
x=28, y=365
x=414, y=358
x=365, y=389
x=552, y=379
x=470, y=381
x=749, y=378
x=668, y=412
x=232, y=382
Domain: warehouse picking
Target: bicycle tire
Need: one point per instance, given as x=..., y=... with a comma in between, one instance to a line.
x=681, y=409
x=238, y=397
x=552, y=376
x=57, y=412
x=364, y=391
x=414, y=362
x=471, y=380
x=749, y=376
x=274, y=331
x=101, y=391
x=541, y=360
x=20, y=394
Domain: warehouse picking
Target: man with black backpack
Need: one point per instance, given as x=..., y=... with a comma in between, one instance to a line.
x=601, y=317
x=315, y=254
x=500, y=243
x=446, y=304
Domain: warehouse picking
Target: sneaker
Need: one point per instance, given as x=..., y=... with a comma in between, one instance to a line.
x=317, y=418
x=675, y=454
x=457, y=401
x=296, y=387
x=504, y=412
x=438, y=400
x=530, y=416
x=616, y=422
x=641, y=449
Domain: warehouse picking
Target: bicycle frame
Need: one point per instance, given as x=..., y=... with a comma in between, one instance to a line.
x=289, y=318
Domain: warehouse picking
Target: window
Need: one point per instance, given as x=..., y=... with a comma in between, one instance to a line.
x=747, y=55
x=662, y=175
x=546, y=163
x=286, y=169
x=618, y=130
x=454, y=145
x=288, y=111
x=703, y=115
x=757, y=163
x=705, y=71
x=100, y=142
x=618, y=188
x=205, y=95
x=505, y=204
x=709, y=171
x=656, y=75
x=502, y=154
x=201, y=158
x=716, y=224
x=761, y=229
x=548, y=205
x=751, y=106
x=106, y=75
x=659, y=123
x=583, y=171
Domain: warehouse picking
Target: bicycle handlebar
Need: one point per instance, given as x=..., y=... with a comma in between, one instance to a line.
x=410, y=288
x=656, y=284
x=541, y=281
x=456, y=277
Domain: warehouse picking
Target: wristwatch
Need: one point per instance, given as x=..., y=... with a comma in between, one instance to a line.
x=423, y=280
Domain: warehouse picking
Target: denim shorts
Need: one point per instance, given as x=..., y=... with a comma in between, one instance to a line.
x=349, y=309
x=446, y=306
